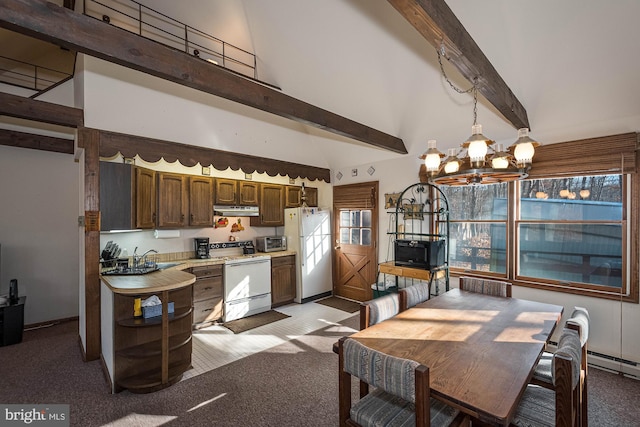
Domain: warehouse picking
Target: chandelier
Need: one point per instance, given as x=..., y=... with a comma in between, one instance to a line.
x=478, y=160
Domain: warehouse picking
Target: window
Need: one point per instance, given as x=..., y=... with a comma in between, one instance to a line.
x=567, y=232
x=571, y=230
x=355, y=227
x=478, y=224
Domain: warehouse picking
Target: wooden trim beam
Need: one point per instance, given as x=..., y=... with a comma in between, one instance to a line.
x=152, y=150
x=439, y=26
x=90, y=139
x=74, y=31
x=40, y=111
x=37, y=142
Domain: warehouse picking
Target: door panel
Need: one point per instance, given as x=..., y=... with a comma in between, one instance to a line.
x=356, y=237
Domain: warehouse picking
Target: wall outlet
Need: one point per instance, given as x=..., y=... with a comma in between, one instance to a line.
x=248, y=176
x=354, y=172
x=206, y=170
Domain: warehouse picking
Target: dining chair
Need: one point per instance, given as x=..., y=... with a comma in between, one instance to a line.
x=413, y=295
x=580, y=322
x=401, y=395
x=486, y=286
x=379, y=309
x=541, y=406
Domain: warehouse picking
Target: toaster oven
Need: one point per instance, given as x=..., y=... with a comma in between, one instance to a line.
x=271, y=243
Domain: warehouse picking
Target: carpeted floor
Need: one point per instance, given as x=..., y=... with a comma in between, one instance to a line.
x=292, y=384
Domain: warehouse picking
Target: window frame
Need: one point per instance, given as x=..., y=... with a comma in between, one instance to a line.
x=626, y=156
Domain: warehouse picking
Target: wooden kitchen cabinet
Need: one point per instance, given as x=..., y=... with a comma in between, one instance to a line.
x=293, y=196
x=148, y=354
x=283, y=280
x=145, y=198
x=271, y=203
x=248, y=192
x=226, y=192
x=208, y=295
x=117, y=196
x=200, y=201
x=311, y=196
x=232, y=192
x=173, y=200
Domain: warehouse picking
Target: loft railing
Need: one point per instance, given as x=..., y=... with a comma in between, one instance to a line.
x=29, y=76
x=146, y=22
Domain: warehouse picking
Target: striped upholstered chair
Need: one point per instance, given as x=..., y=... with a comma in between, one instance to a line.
x=414, y=295
x=401, y=396
x=559, y=407
x=580, y=322
x=379, y=309
x=486, y=286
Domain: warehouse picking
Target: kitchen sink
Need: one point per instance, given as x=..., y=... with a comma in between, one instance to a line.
x=130, y=271
x=165, y=265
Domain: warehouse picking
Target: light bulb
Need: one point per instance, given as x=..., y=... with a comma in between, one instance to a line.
x=451, y=166
x=432, y=156
x=452, y=163
x=524, y=148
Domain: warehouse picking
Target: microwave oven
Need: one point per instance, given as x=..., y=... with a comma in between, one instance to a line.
x=271, y=243
x=423, y=254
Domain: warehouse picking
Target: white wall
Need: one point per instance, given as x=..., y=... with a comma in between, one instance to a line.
x=38, y=228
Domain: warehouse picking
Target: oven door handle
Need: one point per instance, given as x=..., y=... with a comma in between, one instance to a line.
x=240, y=264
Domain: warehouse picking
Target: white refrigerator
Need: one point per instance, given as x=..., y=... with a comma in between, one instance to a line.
x=308, y=232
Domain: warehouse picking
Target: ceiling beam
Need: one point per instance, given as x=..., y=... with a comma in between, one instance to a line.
x=55, y=24
x=40, y=111
x=437, y=23
x=37, y=142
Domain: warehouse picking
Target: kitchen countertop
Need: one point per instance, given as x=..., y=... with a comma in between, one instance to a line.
x=161, y=280
x=172, y=277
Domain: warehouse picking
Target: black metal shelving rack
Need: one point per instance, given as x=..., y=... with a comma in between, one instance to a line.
x=422, y=213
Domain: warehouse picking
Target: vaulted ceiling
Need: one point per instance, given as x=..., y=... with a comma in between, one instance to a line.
x=572, y=64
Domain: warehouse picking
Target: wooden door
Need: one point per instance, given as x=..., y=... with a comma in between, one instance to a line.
x=172, y=200
x=200, y=201
x=355, y=210
x=226, y=191
x=145, y=198
x=248, y=193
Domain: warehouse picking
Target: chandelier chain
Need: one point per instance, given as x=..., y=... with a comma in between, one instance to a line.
x=473, y=88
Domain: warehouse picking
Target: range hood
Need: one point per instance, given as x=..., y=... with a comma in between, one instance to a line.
x=235, y=210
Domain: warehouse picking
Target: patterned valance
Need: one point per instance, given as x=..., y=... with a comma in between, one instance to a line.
x=152, y=150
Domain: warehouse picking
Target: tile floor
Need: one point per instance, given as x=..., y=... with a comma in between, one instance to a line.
x=216, y=346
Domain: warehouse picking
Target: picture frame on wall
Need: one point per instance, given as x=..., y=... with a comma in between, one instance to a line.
x=391, y=200
x=413, y=211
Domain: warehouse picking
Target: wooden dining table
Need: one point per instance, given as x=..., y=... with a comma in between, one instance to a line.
x=481, y=350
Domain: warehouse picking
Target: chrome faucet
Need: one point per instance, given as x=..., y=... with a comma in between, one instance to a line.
x=138, y=258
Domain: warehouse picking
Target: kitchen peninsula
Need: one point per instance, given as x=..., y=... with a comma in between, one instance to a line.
x=146, y=354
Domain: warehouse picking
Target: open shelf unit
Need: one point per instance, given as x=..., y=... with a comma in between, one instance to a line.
x=153, y=353
x=421, y=215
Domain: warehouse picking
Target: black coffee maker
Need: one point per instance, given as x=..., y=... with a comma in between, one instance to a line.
x=202, y=247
